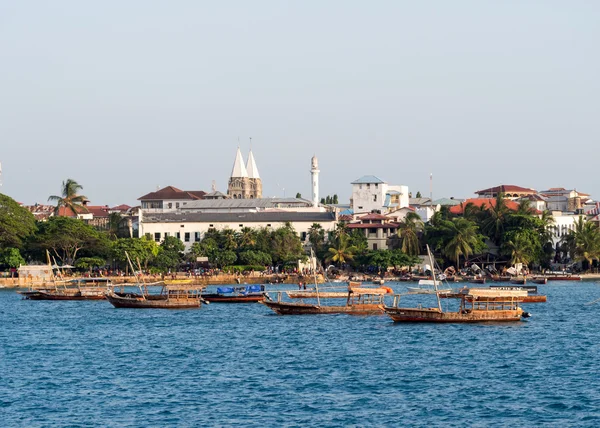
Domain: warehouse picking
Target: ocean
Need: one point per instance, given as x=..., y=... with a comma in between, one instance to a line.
x=88, y=364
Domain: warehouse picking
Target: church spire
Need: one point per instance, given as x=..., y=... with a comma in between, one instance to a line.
x=251, y=166
x=239, y=170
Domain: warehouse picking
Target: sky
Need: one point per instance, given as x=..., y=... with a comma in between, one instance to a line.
x=128, y=96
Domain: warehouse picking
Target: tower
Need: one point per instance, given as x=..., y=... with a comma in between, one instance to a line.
x=314, y=173
x=255, y=189
x=245, y=182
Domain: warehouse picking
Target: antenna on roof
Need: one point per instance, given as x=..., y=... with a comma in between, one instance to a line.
x=250, y=143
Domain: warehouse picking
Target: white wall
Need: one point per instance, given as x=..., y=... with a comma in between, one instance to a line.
x=368, y=197
x=191, y=228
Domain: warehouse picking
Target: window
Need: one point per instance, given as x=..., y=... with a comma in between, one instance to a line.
x=241, y=225
x=197, y=236
x=186, y=236
x=211, y=225
x=372, y=230
x=178, y=235
x=152, y=204
x=360, y=208
x=374, y=198
x=157, y=236
x=176, y=204
x=376, y=185
x=304, y=234
x=268, y=224
x=368, y=186
x=167, y=234
x=374, y=246
x=170, y=205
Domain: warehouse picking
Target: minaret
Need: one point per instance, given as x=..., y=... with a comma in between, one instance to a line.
x=314, y=172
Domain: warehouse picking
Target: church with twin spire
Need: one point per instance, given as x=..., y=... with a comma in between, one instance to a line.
x=245, y=182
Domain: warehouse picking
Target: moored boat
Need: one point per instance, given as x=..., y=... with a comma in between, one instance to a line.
x=518, y=280
x=168, y=297
x=359, y=301
x=244, y=294
x=477, y=280
x=539, y=280
x=475, y=305
x=74, y=289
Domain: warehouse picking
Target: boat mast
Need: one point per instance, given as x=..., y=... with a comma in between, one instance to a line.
x=437, y=294
x=314, y=263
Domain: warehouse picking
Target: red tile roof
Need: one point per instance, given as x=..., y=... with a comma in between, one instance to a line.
x=94, y=210
x=485, y=202
x=506, y=188
x=122, y=207
x=171, y=192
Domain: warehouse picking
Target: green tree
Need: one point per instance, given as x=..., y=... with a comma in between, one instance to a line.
x=143, y=249
x=16, y=223
x=254, y=258
x=114, y=225
x=246, y=239
x=170, y=254
x=286, y=246
x=418, y=194
x=495, y=219
x=69, y=197
x=461, y=239
x=335, y=199
x=522, y=246
x=88, y=263
x=298, y=195
x=64, y=237
x=341, y=251
x=587, y=241
x=316, y=236
x=408, y=231
x=11, y=257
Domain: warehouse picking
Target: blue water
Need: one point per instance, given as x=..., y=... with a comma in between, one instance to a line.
x=88, y=364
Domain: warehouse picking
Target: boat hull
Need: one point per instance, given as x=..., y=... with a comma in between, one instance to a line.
x=433, y=315
x=218, y=298
x=283, y=308
x=51, y=295
x=137, y=301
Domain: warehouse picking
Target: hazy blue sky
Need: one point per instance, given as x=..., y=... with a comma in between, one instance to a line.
x=124, y=96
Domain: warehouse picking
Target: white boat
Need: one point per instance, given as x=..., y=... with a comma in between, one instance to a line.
x=427, y=286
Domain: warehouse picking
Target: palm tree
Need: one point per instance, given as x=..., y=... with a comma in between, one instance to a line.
x=409, y=233
x=587, y=241
x=462, y=238
x=114, y=224
x=246, y=238
x=316, y=235
x=341, y=251
x=70, y=199
x=521, y=250
x=493, y=225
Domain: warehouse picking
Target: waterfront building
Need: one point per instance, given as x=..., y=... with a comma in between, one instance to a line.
x=190, y=226
x=371, y=194
x=378, y=229
x=169, y=199
x=509, y=191
x=561, y=199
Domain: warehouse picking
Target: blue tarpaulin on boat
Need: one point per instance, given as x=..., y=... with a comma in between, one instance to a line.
x=253, y=288
x=224, y=290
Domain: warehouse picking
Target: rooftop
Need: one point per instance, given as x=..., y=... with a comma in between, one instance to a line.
x=368, y=179
x=506, y=188
x=171, y=192
x=248, y=217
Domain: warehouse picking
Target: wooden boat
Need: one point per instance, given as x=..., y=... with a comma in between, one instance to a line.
x=476, y=305
x=359, y=301
x=497, y=278
x=244, y=294
x=74, y=289
x=169, y=297
x=518, y=280
x=528, y=297
x=563, y=278
x=477, y=280
x=539, y=280
x=174, y=296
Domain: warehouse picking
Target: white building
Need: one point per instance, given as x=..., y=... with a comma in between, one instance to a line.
x=191, y=226
x=370, y=193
